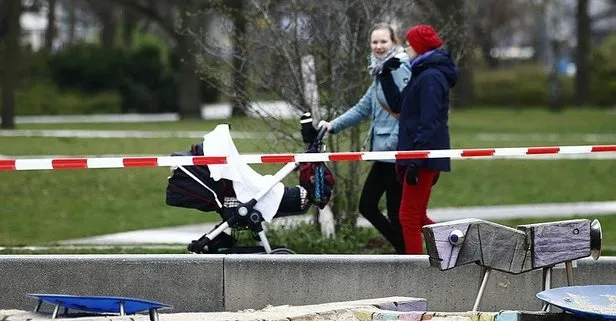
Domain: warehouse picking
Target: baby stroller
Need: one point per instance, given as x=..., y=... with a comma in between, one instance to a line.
x=243, y=207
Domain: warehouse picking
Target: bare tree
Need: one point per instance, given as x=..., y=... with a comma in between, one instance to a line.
x=107, y=15
x=451, y=20
x=494, y=21
x=280, y=35
x=173, y=18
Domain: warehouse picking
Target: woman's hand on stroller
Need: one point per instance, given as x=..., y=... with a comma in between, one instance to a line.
x=328, y=125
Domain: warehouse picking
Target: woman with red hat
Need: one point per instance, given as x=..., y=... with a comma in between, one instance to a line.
x=424, y=112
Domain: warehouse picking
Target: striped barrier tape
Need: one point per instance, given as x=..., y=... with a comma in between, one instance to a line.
x=161, y=161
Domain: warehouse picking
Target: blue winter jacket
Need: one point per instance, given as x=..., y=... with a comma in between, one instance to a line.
x=383, y=133
x=424, y=107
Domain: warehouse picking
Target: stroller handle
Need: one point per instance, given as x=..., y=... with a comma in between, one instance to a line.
x=314, y=145
x=321, y=134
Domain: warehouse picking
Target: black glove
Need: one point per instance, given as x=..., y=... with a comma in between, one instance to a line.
x=309, y=133
x=412, y=174
x=391, y=64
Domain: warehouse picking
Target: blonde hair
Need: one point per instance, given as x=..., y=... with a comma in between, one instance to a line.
x=384, y=26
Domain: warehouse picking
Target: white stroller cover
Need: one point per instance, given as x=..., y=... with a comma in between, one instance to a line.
x=246, y=181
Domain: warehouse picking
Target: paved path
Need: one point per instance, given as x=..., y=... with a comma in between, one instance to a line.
x=185, y=234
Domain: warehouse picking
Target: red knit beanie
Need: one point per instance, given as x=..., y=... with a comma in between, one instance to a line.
x=423, y=38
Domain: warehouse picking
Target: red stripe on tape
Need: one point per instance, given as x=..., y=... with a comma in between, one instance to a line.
x=409, y=154
x=140, y=162
x=69, y=163
x=542, y=150
x=605, y=148
x=289, y=158
x=209, y=160
x=345, y=157
x=477, y=152
x=7, y=165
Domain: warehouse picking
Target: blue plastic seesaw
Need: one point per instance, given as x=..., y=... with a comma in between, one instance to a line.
x=99, y=304
x=592, y=302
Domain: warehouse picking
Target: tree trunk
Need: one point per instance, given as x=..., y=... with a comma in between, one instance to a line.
x=129, y=24
x=72, y=23
x=189, y=81
x=240, y=103
x=351, y=188
x=460, y=46
x=11, y=61
x=486, y=48
x=556, y=101
x=582, y=53
x=4, y=18
x=108, y=30
x=50, y=31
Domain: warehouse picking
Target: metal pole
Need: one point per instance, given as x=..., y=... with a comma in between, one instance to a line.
x=547, y=284
x=56, y=308
x=569, y=271
x=265, y=242
x=38, y=305
x=122, y=313
x=153, y=314
x=486, y=275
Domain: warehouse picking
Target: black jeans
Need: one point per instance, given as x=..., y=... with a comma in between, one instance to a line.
x=382, y=180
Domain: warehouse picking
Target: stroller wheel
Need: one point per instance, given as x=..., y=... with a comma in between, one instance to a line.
x=282, y=250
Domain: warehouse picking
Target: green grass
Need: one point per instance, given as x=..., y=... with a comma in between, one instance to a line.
x=40, y=207
x=570, y=121
x=237, y=124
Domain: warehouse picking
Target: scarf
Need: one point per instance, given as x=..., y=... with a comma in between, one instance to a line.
x=376, y=63
x=421, y=57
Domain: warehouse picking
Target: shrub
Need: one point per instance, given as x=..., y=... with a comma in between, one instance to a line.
x=145, y=84
x=47, y=99
x=149, y=86
x=89, y=68
x=603, y=72
x=304, y=239
x=519, y=86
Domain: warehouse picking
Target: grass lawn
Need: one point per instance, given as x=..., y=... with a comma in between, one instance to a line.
x=40, y=207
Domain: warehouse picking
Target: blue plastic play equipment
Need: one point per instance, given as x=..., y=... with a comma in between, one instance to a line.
x=592, y=302
x=99, y=304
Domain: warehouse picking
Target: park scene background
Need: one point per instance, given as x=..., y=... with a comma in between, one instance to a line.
x=533, y=73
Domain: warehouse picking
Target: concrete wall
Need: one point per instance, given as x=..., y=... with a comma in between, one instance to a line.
x=197, y=283
x=188, y=282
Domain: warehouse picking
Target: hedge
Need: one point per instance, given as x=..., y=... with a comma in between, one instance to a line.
x=47, y=99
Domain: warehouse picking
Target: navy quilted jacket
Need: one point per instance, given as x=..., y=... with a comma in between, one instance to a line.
x=424, y=107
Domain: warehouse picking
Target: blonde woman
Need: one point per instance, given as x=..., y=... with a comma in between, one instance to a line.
x=383, y=133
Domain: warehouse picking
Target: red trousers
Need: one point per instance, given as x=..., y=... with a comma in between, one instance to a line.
x=413, y=209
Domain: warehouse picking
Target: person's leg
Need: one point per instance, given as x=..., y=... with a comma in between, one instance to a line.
x=393, y=194
x=415, y=199
x=373, y=190
x=425, y=220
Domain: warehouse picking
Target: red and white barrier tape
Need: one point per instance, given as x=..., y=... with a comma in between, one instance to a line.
x=159, y=161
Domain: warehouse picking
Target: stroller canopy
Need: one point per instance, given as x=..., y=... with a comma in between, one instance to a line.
x=246, y=181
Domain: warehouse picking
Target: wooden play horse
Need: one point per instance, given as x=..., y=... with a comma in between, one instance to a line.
x=510, y=250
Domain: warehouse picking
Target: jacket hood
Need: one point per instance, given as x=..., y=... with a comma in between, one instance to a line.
x=439, y=59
